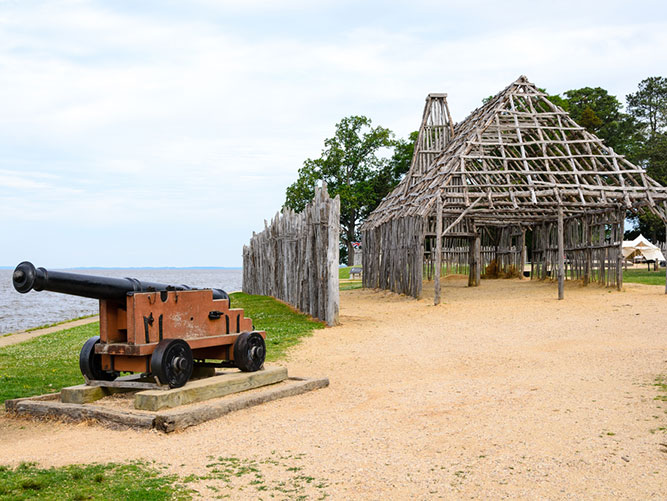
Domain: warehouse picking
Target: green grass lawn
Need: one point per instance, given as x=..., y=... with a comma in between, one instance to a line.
x=133, y=481
x=643, y=276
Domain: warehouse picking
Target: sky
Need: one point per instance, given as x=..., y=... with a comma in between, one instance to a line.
x=163, y=133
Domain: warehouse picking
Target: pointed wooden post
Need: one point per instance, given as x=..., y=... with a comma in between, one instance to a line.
x=438, y=247
x=619, y=258
x=561, y=255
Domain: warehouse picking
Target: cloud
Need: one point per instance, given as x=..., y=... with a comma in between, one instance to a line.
x=118, y=115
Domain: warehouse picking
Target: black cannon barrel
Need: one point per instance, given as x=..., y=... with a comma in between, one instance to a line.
x=26, y=278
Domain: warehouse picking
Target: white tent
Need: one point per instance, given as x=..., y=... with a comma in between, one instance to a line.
x=642, y=247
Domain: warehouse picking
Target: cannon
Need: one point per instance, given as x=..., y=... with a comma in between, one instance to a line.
x=157, y=330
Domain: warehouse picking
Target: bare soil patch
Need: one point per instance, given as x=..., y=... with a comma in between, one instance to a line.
x=502, y=390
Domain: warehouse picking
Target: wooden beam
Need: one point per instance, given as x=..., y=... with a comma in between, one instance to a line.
x=438, y=248
x=461, y=216
x=561, y=257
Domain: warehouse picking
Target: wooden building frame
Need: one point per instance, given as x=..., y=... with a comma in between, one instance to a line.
x=517, y=164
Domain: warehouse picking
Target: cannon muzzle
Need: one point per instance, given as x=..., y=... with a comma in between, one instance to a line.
x=26, y=278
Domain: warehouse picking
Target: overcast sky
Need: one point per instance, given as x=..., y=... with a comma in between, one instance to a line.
x=162, y=133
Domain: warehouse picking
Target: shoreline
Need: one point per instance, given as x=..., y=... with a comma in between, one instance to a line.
x=18, y=337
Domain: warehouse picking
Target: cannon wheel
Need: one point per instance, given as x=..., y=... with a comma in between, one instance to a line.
x=249, y=351
x=90, y=363
x=172, y=362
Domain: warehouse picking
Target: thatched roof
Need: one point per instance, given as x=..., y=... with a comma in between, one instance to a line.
x=517, y=159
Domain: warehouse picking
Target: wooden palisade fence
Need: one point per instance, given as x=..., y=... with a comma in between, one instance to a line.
x=295, y=258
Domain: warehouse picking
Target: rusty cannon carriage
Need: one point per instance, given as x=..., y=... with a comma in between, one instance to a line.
x=157, y=330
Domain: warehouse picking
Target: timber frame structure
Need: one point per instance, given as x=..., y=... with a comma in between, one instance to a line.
x=517, y=164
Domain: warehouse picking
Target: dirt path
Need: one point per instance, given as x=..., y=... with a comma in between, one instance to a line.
x=19, y=337
x=502, y=391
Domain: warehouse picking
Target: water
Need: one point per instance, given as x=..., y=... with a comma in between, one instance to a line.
x=23, y=311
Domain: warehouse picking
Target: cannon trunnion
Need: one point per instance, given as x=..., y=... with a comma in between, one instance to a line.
x=155, y=329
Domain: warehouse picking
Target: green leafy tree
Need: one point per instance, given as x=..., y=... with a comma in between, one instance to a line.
x=601, y=114
x=353, y=166
x=649, y=105
x=649, y=108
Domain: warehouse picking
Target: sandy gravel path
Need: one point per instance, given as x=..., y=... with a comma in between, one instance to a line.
x=502, y=391
x=19, y=337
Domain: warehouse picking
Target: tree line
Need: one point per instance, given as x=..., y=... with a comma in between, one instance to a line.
x=362, y=163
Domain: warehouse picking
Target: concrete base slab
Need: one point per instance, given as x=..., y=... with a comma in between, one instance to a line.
x=51, y=406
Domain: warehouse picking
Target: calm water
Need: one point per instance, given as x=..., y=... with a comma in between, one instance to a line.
x=23, y=311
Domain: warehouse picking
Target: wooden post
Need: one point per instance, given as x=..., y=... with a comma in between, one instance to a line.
x=619, y=258
x=478, y=258
x=666, y=263
x=561, y=256
x=523, y=252
x=438, y=247
x=589, y=251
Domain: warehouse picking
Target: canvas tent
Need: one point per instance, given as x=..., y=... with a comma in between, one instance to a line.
x=642, y=247
x=517, y=164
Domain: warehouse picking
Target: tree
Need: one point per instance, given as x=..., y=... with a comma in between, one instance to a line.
x=649, y=104
x=353, y=167
x=600, y=113
x=649, y=108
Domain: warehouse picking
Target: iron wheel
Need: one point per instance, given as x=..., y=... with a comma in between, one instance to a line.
x=90, y=363
x=249, y=351
x=172, y=362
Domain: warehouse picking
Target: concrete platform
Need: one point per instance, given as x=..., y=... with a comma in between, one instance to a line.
x=51, y=406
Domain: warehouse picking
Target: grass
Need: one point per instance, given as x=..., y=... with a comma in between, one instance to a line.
x=50, y=362
x=643, y=276
x=283, y=325
x=43, y=364
x=133, y=481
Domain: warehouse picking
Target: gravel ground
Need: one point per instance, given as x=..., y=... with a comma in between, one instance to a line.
x=502, y=391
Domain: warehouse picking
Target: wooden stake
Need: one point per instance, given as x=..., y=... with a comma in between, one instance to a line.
x=561, y=256
x=619, y=258
x=478, y=259
x=523, y=253
x=438, y=248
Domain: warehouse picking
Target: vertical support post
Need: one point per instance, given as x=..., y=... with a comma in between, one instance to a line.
x=438, y=248
x=471, y=262
x=589, y=251
x=478, y=258
x=666, y=263
x=523, y=252
x=619, y=258
x=561, y=255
